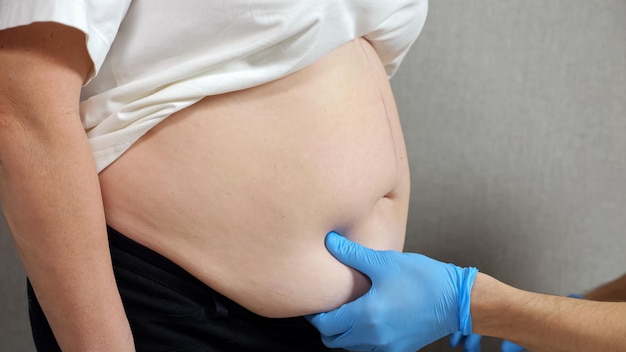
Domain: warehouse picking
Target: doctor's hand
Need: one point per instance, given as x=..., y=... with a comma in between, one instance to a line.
x=413, y=301
x=471, y=343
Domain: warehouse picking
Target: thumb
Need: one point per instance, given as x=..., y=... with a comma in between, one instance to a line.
x=363, y=259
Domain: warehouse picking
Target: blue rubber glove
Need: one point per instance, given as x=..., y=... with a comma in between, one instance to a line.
x=414, y=300
x=508, y=346
x=471, y=342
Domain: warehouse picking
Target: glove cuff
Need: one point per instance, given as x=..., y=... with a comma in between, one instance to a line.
x=467, y=276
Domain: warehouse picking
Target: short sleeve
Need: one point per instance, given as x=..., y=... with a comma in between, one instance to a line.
x=98, y=19
x=393, y=38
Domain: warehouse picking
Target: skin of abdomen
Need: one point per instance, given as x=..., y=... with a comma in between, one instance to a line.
x=240, y=189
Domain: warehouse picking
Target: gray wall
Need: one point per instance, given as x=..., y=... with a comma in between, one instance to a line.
x=515, y=119
x=514, y=114
x=14, y=329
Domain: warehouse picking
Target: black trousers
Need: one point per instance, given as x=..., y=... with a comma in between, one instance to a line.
x=170, y=310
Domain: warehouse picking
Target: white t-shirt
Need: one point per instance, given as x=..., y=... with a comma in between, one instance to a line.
x=155, y=57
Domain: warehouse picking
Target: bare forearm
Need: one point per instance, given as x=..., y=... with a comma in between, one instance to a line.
x=52, y=204
x=546, y=323
x=49, y=189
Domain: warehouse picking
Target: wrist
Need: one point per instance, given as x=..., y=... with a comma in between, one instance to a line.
x=490, y=301
x=466, y=279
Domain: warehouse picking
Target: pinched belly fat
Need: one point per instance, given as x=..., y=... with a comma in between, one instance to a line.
x=240, y=189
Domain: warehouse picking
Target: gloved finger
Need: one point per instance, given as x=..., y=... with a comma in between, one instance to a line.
x=335, y=322
x=363, y=259
x=340, y=342
x=455, y=338
x=341, y=333
x=472, y=343
x=508, y=346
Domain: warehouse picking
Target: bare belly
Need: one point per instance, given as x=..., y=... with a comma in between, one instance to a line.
x=240, y=189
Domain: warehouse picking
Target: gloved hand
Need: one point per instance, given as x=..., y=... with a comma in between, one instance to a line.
x=508, y=346
x=471, y=343
x=414, y=300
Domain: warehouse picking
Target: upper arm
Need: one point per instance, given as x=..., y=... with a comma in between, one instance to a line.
x=42, y=69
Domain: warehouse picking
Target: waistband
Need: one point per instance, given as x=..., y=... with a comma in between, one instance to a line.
x=145, y=262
